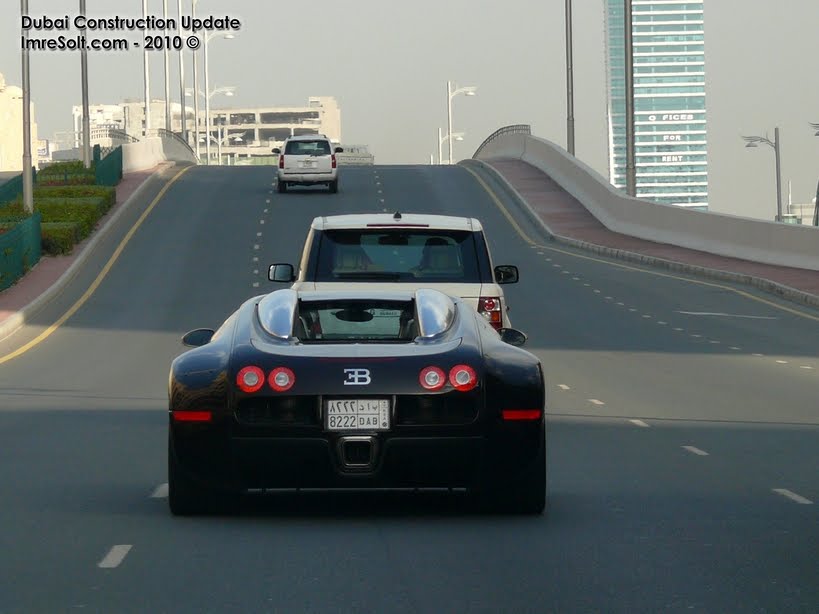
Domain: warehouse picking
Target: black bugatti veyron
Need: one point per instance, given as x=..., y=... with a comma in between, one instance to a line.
x=352, y=390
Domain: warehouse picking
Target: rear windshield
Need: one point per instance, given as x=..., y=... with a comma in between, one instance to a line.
x=356, y=321
x=308, y=148
x=399, y=255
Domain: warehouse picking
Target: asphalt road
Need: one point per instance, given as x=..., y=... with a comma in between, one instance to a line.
x=683, y=434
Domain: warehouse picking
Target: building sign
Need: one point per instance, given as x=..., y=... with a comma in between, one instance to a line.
x=672, y=137
x=672, y=158
x=672, y=117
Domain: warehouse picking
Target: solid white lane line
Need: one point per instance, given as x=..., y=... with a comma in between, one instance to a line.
x=792, y=496
x=639, y=423
x=781, y=362
x=726, y=315
x=596, y=401
x=161, y=492
x=114, y=557
x=563, y=387
x=696, y=451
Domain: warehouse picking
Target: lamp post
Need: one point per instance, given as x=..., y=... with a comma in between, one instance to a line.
x=228, y=90
x=28, y=180
x=183, y=116
x=816, y=201
x=168, y=125
x=457, y=136
x=146, y=75
x=569, y=81
x=450, y=94
x=86, y=120
x=631, y=167
x=753, y=141
x=195, y=86
x=207, y=90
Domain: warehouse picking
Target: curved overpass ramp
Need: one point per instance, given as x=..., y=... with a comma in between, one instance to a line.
x=682, y=433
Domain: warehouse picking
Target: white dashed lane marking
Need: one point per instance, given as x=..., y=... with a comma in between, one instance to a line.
x=161, y=492
x=805, y=367
x=735, y=348
x=792, y=496
x=639, y=423
x=696, y=451
x=596, y=401
x=255, y=259
x=114, y=557
x=758, y=355
x=563, y=387
x=781, y=362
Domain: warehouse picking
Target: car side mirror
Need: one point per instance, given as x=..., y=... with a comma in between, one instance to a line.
x=512, y=336
x=506, y=274
x=276, y=150
x=198, y=337
x=281, y=272
x=339, y=150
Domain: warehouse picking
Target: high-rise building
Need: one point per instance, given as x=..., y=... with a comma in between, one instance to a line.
x=669, y=100
x=11, y=128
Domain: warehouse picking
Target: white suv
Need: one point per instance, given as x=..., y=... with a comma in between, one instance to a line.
x=309, y=159
x=402, y=252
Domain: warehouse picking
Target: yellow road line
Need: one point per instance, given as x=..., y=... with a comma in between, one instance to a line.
x=102, y=274
x=526, y=238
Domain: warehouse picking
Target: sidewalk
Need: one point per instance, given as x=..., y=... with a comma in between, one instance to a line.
x=567, y=217
x=50, y=268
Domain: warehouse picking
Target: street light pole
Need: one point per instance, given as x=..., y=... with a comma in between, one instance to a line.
x=146, y=75
x=631, y=168
x=86, y=119
x=440, y=146
x=753, y=141
x=207, y=103
x=28, y=179
x=449, y=120
x=168, y=125
x=569, y=81
x=195, y=87
x=182, y=114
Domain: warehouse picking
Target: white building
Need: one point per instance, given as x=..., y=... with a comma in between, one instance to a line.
x=11, y=128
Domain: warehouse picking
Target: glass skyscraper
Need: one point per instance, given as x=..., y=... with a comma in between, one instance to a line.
x=669, y=100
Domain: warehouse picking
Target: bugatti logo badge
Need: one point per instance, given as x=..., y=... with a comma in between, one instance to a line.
x=357, y=377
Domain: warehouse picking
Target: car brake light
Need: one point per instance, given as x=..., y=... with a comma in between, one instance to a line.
x=463, y=378
x=191, y=416
x=490, y=308
x=432, y=378
x=281, y=160
x=521, y=414
x=333, y=158
x=250, y=379
x=281, y=379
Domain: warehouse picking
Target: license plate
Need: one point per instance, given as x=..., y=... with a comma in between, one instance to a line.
x=308, y=164
x=357, y=415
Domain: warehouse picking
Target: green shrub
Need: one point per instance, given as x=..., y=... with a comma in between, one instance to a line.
x=59, y=237
x=78, y=191
x=85, y=211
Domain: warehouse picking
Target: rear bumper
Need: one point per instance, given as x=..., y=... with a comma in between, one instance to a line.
x=306, y=178
x=440, y=460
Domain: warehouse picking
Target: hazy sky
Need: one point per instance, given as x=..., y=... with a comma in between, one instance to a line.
x=387, y=63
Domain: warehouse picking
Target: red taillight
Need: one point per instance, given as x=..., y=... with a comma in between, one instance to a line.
x=192, y=416
x=463, y=377
x=281, y=160
x=333, y=158
x=490, y=308
x=522, y=414
x=250, y=379
x=432, y=378
x=281, y=379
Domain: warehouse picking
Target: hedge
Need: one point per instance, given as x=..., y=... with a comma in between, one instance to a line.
x=60, y=237
x=78, y=191
x=86, y=211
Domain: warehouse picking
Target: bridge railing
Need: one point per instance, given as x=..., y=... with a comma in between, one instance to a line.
x=513, y=129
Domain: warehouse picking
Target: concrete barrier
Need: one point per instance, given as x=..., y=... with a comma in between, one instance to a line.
x=150, y=151
x=717, y=233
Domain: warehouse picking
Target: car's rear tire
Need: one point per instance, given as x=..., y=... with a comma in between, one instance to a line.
x=523, y=493
x=185, y=497
x=333, y=186
x=282, y=186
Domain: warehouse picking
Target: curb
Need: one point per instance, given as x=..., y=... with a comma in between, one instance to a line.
x=13, y=323
x=786, y=292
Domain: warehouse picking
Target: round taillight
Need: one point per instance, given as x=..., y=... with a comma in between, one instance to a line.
x=432, y=378
x=490, y=304
x=463, y=377
x=281, y=379
x=250, y=379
